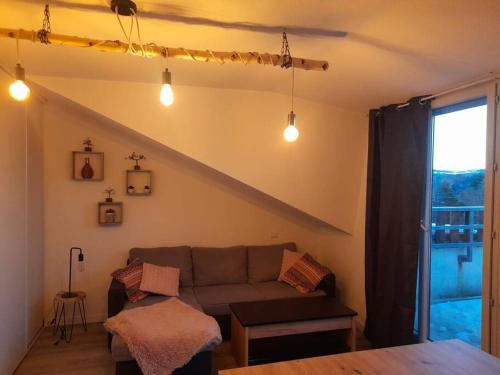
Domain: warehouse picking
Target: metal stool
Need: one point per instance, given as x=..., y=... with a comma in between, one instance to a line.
x=60, y=301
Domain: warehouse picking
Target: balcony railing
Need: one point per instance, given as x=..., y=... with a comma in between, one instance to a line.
x=458, y=227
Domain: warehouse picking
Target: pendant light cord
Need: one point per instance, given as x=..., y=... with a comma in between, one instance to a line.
x=128, y=36
x=17, y=50
x=293, y=84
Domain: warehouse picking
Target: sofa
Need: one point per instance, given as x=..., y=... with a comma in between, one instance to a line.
x=210, y=279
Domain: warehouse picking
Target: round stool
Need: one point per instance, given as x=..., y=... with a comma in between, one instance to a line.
x=60, y=301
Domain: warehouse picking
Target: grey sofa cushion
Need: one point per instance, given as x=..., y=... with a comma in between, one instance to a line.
x=215, y=266
x=279, y=290
x=264, y=262
x=179, y=257
x=215, y=299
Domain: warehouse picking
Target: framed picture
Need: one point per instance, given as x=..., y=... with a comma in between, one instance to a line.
x=88, y=166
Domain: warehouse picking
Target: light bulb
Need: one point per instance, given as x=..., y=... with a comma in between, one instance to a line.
x=18, y=90
x=81, y=266
x=291, y=133
x=166, y=93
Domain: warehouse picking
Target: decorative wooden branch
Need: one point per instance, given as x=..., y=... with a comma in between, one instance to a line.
x=153, y=50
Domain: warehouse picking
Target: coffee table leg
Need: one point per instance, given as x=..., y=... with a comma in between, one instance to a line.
x=239, y=341
x=352, y=335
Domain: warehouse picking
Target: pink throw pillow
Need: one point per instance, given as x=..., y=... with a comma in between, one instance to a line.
x=288, y=260
x=160, y=280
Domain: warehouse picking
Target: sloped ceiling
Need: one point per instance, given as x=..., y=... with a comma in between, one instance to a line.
x=394, y=49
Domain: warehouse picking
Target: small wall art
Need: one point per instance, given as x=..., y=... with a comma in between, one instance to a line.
x=138, y=181
x=109, y=212
x=87, y=164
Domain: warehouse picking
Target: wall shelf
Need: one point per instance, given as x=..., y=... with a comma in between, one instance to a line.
x=110, y=213
x=95, y=161
x=139, y=182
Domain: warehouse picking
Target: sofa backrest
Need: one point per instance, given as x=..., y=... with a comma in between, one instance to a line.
x=214, y=266
x=264, y=262
x=203, y=266
x=179, y=257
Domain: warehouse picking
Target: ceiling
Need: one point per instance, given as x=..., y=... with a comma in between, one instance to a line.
x=394, y=49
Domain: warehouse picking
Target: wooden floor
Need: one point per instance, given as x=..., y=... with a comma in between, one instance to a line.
x=88, y=354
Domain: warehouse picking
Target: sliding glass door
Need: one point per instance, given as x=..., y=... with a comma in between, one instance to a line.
x=450, y=290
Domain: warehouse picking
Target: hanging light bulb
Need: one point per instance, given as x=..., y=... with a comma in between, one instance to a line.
x=166, y=93
x=291, y=132
x=18, y=89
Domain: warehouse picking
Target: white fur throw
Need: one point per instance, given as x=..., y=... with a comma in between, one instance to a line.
x=164, y=336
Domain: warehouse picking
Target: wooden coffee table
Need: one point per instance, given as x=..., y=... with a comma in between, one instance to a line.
x=261, y=319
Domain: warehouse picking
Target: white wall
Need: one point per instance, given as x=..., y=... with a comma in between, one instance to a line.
x=35, y=206
x=20, y=269
x=191, y=204
x=239, y=133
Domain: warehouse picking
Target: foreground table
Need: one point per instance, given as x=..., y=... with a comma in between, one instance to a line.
x=452, y=357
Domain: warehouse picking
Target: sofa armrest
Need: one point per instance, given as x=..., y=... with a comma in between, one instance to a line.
x=116, y=298
x=328, y=285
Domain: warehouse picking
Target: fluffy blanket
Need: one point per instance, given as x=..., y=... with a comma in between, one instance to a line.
x=164, y=336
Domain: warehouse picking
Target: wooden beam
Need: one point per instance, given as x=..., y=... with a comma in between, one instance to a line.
x=153, y=50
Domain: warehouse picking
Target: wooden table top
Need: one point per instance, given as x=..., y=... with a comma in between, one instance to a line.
x=451, y=357
x=289, y=310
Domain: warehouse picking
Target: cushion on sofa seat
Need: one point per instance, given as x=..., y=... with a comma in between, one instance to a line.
x=279, y=290
x=178, y=257
x=264, y=262
x=215, y=299
x=216, y=266
x=186, y=295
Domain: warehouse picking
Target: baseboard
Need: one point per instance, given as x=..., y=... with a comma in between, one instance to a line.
x=96, y=318
x=92, y=318
x=36, y=336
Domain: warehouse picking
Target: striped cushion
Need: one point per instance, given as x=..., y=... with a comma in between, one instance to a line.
x=131, y=277
x=305, y=274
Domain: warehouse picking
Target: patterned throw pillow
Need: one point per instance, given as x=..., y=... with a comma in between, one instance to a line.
x=305, y=274
x=160, y=280
x=131, y=277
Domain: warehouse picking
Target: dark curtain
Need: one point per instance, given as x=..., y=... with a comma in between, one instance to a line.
x=397, y=158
